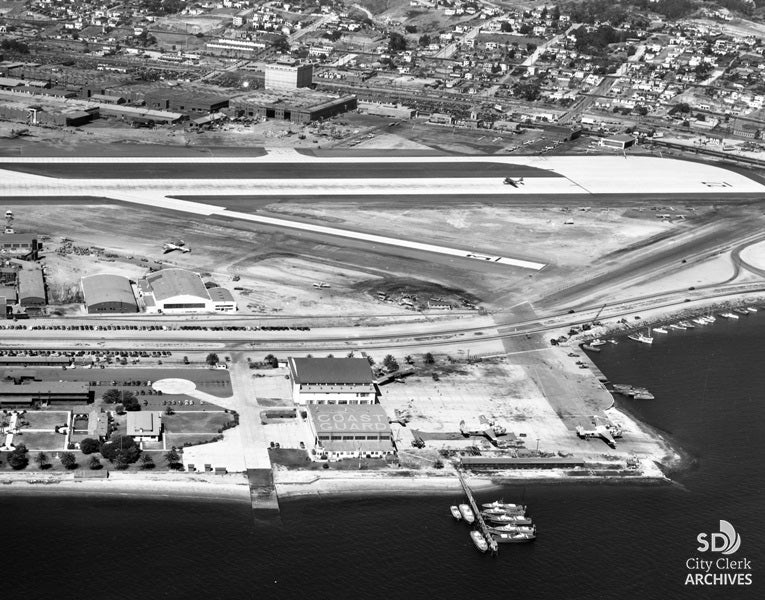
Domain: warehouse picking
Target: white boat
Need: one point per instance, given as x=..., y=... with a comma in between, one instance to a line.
x=479, y=541
x=660, y=330
x=503, y=507
x=598, y=342
x=639, y=337
x=686, y=325
x=513, y=529
x=677, y=326
x=751, y=309
x=729, y=315
x=456, y=512
x=467, y=513
x=701, y=321
x=513, y=538
x=711, y=318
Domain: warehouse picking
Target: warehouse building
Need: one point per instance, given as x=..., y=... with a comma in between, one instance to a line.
x=297, y=107
x=222, y=299
x=31, y=285
x=619, y=141
x=188, y=102
x=105, y=293
x=288, y=75
x=332, y=381
x=20, y=244
x=45, y=392
x=350, y=431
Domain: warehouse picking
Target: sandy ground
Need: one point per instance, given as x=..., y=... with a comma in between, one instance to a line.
x=755, y=255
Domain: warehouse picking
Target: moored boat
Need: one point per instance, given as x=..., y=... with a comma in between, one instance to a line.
x=506, y=519
x=751, y=309
x=513, y=538
x=513, y=529
x=456, y=512
x=660, y=330
x=686, y=324
x=639, y=337
x=677, y=326
x=742, y=311
x=729, y=315
x=507, y=508
x=467, y=513
x=701, y=321
x=590, y=348
x=598, y=342
x=479, y=541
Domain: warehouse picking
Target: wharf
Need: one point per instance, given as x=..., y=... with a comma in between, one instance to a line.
x=593, y=367
x=493, y=546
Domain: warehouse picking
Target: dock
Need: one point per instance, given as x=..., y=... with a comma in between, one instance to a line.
x=493, y=546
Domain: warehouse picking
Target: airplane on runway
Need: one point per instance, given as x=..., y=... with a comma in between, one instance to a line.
x=176, y=245
x=514, y=182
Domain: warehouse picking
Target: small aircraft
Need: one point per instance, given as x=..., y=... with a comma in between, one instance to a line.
x=321, y=284
x=514, y=182
x=176, y=245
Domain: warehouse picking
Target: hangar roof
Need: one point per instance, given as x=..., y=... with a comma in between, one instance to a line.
x=107, y=288
x=169, y=283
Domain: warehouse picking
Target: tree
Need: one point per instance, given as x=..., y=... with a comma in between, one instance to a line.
x=371, y=361
x=271, y=360
x=130, y=402
x=408, y=359
x=89, y=446
x=424, y=40
x=122, y=445
x=396, y=42
x=17, y=458
x=390, y=363
x=429, y=360
x=410, y=28
x=111, y=396
x=147, y=462
x=173, y=459
x=212, y=359
x=42, y=460
x=94, y=463
x=68, y=460
x=282, y=45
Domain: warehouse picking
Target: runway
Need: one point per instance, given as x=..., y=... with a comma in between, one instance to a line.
x=288, y=174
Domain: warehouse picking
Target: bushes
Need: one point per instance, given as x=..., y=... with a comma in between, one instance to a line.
x=89, y=446
x=18, y=458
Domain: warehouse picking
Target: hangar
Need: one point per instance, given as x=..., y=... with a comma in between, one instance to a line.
x=350, y=431
x=105, y=293
x=175, y=291
x=332, y=381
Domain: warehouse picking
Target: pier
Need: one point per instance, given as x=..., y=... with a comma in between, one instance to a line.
x=493, y=546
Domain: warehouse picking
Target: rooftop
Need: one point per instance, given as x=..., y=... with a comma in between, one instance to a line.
x=144, y=423
x=293, y=99
x=349, y=418
x=330, y=370
x=169, y=283
x=107, y=288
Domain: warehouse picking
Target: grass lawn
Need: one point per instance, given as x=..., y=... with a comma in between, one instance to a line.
x=34, y=440
x=44, y=419
x=188, y=439
x=195, y=422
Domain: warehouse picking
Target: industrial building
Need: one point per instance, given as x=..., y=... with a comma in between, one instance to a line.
x=44, y=392
x=105, y=293
x=288, y=75
x=350, y=431
x=619, y=141
x=332, y=381
x=145, y=425
x=185, y=101
x=178, y=291
x=297, y=107
x=20, y=244
x=31, y=285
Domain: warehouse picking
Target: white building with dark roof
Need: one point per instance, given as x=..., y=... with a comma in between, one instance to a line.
x=350, y=431
x=332, y=381
x=105, y=293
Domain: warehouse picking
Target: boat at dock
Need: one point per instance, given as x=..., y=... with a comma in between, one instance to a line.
x=686, y=325
x=507, y=508
x=467, y=513
x=660, y=330
x=590, y=348
x=729, y=315
x=701, y=321
x=513, y=529
x=456, y=512
x=677, y=326
x=741, y=311
x=751, y=309
x=508, y=519
x=513, y=538
x=639, y=337
x=638, y=393
x=598, y=342
x=479, y=541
